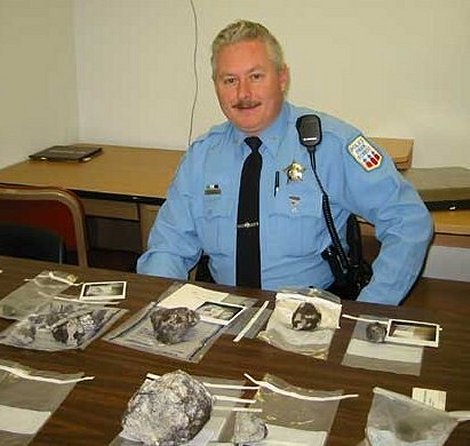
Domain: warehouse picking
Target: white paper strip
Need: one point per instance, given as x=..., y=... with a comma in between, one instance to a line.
x=364, y=319
x=88, y=302
x=230, y=386
x=52, y=276
x=238, y=409
x=461, y=415
x=25, y=375
x=250, y=323
x=233, y=399
x=213, y=385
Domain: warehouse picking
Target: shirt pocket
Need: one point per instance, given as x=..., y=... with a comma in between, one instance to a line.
x=214, y=223
x=296, y=223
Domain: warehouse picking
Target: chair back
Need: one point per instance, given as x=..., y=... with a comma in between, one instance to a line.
x=31, y=242
x=54, y=209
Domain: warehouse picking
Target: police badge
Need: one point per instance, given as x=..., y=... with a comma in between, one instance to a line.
x=294, y=171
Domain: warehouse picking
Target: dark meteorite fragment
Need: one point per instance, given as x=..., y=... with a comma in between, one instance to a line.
x=375, y=332
x=305, y=317
x=169, y=411
x=249, y=428
x=77, y=327
x=171, y=324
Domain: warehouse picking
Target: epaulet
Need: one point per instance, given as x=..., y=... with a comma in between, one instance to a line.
x=355, y=143
x=341, y=130
x=213, y=132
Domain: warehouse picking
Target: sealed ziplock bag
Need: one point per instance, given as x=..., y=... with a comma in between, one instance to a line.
x=397, y=420
x=294, y=416
x=59, y=325
x=303, y=322
x=141, y=332
x=385, y=356
x=34, y=293
x=28, y=398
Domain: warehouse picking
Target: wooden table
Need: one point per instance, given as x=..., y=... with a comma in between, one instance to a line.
x=92, y=412
x=128, y=183
x=452, y=228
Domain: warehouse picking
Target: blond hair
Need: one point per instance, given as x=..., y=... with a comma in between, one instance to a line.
x=244, y=30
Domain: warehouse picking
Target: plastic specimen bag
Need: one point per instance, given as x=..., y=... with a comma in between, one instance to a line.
x=59, y=325
x=397, y=420
x=294, y=326
x=295, y=416
x=28, y=397
x=383, y=356
x=34, y=293
x=138, y=332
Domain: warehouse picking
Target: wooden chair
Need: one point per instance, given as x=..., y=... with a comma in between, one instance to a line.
x=31, y=242
x=50, y=208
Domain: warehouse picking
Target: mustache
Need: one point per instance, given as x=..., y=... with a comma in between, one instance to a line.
x=245, y=104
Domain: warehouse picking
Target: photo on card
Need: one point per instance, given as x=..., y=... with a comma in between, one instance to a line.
x=220, y=313
x=402, y=331
x=103, y=290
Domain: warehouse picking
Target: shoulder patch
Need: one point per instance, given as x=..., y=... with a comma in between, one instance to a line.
x=365, y=154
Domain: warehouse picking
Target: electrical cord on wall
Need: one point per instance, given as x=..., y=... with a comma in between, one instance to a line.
x=196, y=79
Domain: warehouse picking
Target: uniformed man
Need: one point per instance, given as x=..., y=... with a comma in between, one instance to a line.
x=200, y=213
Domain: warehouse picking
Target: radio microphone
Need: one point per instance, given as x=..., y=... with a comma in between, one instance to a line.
x=309, y=129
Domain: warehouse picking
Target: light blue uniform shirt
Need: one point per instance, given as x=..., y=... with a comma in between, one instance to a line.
x=200, y=213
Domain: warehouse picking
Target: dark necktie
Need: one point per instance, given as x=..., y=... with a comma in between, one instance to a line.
x=248, y=247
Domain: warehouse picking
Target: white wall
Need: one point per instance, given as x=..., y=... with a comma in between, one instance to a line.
x=448, y=263
x=396, y=68
x=38, y=95
x=134, y=63
x=121, y=71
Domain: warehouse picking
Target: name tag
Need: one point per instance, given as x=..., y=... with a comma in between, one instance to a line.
x=212, y=189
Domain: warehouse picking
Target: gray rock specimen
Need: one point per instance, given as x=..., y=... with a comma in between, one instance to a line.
x=375, y=332
x=249, y=428
x=306, y=317
x=169, y=411
x=171, y=324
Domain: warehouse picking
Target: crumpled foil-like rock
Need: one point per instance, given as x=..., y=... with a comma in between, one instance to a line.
x=65, y=323
x=171, y=324
x=249, y=428
x=306, y=317
x=169, y=411
x=74, y=329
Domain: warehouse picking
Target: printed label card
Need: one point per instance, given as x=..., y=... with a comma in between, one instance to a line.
x=97, y=291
